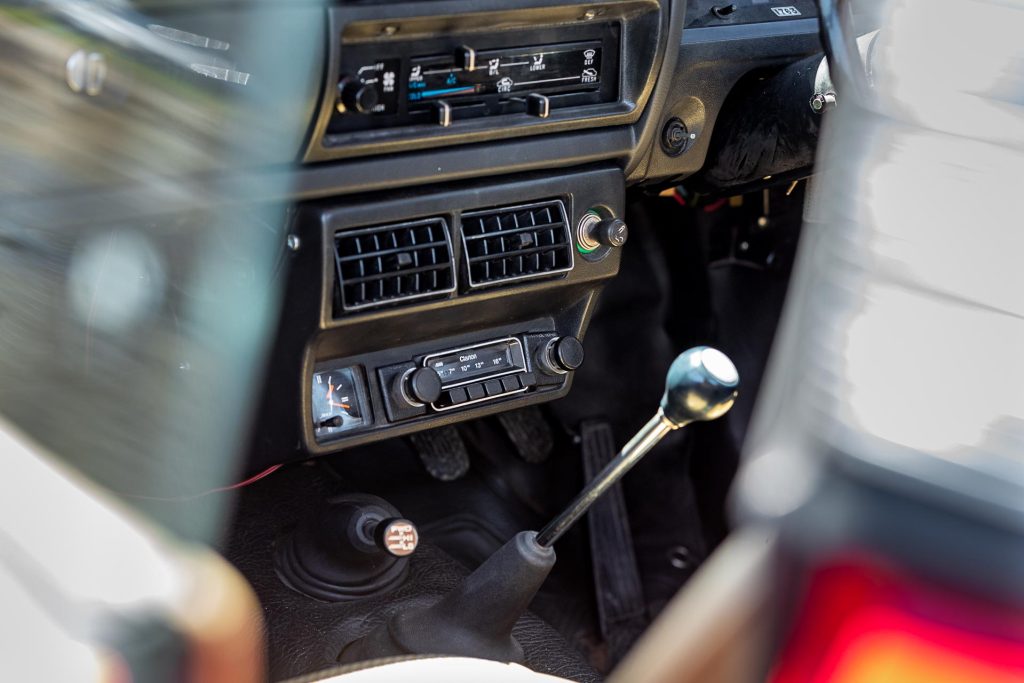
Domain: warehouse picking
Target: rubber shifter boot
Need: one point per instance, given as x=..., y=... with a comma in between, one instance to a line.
x=620, y=598
x=475, y=618
x=353, y=547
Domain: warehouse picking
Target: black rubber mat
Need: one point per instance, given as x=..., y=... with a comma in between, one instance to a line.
x=529, y=432
x=442, y=452
x=620, y=596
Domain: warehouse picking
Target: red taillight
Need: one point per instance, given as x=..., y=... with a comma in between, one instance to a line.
x=862, y=623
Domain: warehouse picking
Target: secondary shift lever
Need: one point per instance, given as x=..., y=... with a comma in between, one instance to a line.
x=476, y=617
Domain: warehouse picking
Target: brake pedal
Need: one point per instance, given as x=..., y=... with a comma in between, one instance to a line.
x=443, y=452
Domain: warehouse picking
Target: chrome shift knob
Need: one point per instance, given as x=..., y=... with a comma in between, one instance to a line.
x=701, y=385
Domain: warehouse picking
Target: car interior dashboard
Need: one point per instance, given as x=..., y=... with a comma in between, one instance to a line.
x=347, y=236
x=327, y=325
x=461, y=155
x=450, y=176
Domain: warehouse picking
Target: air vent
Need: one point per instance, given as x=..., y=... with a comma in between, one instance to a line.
x=516, y=243
x=390, y=264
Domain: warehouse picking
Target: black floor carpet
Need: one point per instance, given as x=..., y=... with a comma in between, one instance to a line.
x=305, y=635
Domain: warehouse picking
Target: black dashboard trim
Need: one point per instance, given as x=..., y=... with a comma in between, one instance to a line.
x=774, y=29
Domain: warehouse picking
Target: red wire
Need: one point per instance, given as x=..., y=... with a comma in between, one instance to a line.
x=715, y=205
x=251, y=480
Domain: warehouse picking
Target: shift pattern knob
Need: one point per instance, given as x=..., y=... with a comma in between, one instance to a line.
x=702, y=384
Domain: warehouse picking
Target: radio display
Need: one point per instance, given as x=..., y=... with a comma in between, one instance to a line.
x=542, y=69
x=483, y=360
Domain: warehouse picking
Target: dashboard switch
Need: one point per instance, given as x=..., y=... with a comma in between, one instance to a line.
x=356, y=96
x=723, y=11
x=675, y=137
x=595, y=231
x=443, y=110
x=465, y=58
x=611, y=232
x=538, y=105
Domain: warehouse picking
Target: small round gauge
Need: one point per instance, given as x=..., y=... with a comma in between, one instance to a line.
x=337, y=402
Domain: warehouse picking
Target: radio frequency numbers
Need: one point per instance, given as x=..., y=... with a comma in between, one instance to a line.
x=485, y=360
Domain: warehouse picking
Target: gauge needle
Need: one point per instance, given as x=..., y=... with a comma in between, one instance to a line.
x=330, y=391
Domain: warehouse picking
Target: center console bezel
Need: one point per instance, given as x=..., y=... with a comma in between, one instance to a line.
x=377, y=340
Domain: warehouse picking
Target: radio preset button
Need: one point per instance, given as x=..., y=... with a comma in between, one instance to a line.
x=493, y=387
x=457, y=395
x=510, y=383
x=476, y=392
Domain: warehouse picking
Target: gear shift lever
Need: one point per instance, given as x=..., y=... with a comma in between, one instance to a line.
x=701, y=385
x=477, y=616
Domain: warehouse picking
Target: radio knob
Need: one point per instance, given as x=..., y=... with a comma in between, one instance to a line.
x=353, y=95
x=560, y=356
x=423, y=385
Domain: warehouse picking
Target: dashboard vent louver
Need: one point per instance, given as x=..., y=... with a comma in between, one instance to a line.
x=390, y=264
x=516, y=243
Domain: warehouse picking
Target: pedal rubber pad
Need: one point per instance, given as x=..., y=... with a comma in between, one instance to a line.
x=529, y=432
x=620, y=598
x=443, y=452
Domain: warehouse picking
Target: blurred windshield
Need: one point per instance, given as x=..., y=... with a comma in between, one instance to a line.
x=142, y=233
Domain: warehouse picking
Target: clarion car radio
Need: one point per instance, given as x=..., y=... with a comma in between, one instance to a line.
x=461, y=377
x=407, y=85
